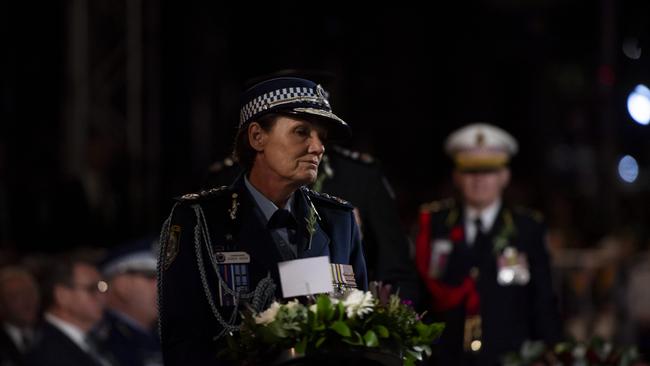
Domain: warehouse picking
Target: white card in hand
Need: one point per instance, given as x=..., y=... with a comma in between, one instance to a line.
x=306, y=276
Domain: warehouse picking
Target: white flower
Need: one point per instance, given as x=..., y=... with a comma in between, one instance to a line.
x=292, y=304
x=358, y=303
x=268, y=315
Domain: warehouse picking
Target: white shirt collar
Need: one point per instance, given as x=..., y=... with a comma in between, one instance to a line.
x=16, y=334
x=488, y=216
x=73, y=332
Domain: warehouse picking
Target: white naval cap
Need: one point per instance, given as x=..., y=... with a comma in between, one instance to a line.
x=480, y=146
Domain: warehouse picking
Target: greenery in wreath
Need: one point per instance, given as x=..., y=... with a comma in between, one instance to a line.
x=357, y=320
x=596, y=352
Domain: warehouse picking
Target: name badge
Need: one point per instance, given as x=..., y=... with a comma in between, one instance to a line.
x=512, y=268
x=232, y=257
x=440, y=250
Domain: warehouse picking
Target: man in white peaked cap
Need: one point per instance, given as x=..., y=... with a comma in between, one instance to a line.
x=485, y=263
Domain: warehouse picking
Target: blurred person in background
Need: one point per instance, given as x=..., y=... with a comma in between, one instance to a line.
x=19, y=307
x=73, y=299
x=128, y=329
x=484, y=263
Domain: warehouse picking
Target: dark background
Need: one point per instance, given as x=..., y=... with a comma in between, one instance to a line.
x=144, y=93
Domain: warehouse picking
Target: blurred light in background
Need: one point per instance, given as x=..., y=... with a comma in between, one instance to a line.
x=638, y=104
x=631, y=48
x=628, y=169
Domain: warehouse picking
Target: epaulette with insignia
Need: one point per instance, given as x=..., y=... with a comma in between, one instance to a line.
x=201, y=195
x=324, y=197
x=436, y=206
x=354, y=155
x=533, y=214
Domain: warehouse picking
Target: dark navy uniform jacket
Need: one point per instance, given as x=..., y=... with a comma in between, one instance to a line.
x=510, y=314
x=129, y=344
x=189, y=328
x=358, y=178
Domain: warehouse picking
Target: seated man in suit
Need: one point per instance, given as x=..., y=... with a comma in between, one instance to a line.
x=19, y=306
x=221, y=247
x=74, y=303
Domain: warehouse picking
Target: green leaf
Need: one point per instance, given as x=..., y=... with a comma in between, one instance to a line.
x=324, y=307
x=427, y=350
x=416, y=355
x=370, y=338
x=320, y=341
x=429, y=332
x=354, y=340
x=382, y=331
x=409, y=360
x=277, y=329
x=340, y=310
x=301, y=346
x=341, y=328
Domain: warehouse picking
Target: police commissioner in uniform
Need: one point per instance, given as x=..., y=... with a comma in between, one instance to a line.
x=220, y=247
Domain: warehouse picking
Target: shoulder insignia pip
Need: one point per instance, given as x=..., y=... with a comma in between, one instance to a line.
x=206, y=193
x=328, y=198
x=436, y=206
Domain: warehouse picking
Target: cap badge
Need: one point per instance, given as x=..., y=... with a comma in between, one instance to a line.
x=322, y=95
x=480, y=139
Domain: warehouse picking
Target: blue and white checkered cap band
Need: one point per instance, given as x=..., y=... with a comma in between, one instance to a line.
x=140, y=261
x=291, y=95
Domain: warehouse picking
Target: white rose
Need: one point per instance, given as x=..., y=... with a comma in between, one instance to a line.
x=358, y=303
x=268, y=315
x=292, y=304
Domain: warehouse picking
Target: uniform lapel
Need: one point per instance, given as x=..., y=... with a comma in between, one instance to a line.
x=309, y=244
x=253, y=237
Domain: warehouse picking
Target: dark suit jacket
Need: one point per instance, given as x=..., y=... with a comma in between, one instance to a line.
x=188, y=325
x=510, y=314
x=54, y=348
x=9, y=353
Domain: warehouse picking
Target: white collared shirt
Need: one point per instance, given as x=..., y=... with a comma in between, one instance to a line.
x=74, y=333
x=17, y=335
x=488, y=216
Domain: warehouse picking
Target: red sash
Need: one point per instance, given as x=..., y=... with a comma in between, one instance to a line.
x=445, y=297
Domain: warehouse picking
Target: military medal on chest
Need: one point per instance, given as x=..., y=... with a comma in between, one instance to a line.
x=512, y=268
